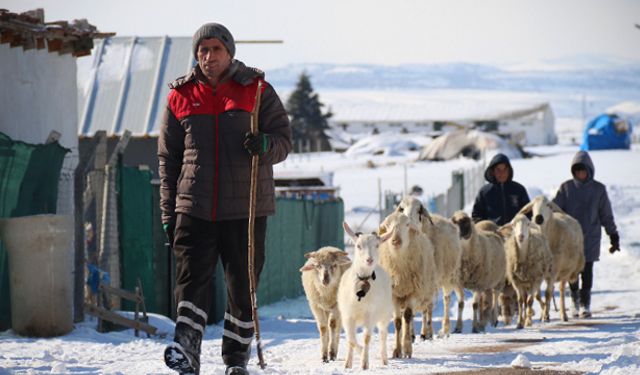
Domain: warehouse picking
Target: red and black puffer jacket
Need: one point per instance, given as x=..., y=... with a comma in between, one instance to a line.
x=204, y=169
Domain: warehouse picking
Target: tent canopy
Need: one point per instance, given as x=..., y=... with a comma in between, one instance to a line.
x=607, y=131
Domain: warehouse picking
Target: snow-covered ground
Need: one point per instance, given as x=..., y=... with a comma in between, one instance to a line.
x=609, y=343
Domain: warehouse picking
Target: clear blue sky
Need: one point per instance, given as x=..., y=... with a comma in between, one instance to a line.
x=378, y=32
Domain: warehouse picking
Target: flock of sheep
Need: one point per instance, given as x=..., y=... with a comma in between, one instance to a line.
x=398, y=271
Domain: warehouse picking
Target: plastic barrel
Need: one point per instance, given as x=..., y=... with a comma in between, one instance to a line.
x=40, y=273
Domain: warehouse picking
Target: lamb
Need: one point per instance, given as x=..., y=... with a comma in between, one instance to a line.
x=409, y=260
x=483, y=268
x=364, y=297
x=320, y=279
x=529, y=261
x=566, y=242
x=447, y=254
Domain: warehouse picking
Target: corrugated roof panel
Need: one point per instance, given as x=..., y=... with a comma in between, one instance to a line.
x=108, y=83
x=87, y=69
x=138, y=93
x=177, y=61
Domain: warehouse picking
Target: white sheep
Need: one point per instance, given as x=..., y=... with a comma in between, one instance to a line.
x=564, y=235
x=364, y=297
x=482, y=268
x=529, y=262
x=447, y=249
x=320, y=279
x=409, y=260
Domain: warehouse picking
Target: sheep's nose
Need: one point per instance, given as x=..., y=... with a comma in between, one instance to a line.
x=539, y=219
x=396, y=241
x=520, y=238
x=369, y=261
x=326, y=279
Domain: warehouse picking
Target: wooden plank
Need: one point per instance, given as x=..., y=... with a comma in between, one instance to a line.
x=119, y=319
x=120, y=293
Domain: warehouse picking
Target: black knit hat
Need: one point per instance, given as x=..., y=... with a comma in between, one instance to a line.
x=214, y=30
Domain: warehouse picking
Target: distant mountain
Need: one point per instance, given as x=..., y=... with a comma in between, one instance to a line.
x=578, y=74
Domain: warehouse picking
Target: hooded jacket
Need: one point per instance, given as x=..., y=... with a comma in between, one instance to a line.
x=499, y=202
x=204, y=169
x=587, y=201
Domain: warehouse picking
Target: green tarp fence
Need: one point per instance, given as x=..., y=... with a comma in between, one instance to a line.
x=297, y=227
x=29, y=177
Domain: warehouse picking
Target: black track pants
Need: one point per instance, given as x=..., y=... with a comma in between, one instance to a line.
x=197, y=246
x=587, y=278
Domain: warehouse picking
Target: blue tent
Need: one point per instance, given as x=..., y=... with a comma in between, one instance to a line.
x=607, y=131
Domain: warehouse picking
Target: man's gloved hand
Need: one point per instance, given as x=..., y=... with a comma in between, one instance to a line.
x=256, y=144
x=615, y=243
x=169, y=229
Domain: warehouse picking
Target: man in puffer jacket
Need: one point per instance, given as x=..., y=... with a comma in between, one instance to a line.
x=204, y=150
x=586, y=200
x=502, y=198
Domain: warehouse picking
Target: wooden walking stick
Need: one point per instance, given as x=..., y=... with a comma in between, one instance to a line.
x=251, y=237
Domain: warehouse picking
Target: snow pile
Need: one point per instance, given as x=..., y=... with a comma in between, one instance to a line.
x=388, y=144
x=471, y=144
x=521, y=362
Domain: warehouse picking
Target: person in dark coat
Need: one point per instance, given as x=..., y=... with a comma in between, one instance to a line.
x=586, y=200
x=502, y=198
x=205, y=149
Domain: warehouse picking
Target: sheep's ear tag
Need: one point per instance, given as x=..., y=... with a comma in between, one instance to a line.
x=382, y=230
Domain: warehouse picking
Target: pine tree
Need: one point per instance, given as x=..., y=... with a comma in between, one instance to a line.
x=308, y=123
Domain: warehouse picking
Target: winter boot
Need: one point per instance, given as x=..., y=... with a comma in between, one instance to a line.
x=575, y=303
x=183, y=355
x=236, y=370
x=585, y=303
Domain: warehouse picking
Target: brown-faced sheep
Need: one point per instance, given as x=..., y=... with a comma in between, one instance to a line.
x=483, y=268
x=529, y=262
x=320, y=279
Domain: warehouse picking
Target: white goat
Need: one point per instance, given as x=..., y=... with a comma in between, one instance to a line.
x=320, y=279
x=483, y=269
x=409, y=260
x=566, y=242
x=447, y=252
x=364, y=297
x=529, y=262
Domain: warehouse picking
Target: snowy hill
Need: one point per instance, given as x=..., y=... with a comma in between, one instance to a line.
x=582, y=86
x=550, y=76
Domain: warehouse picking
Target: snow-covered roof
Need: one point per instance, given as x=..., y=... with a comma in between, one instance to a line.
x=373, y=106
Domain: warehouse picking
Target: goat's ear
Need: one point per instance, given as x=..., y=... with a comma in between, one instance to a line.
x=505, y=230
x=526, y=209
x=555, y=208
x=309, y=265
x=310, y=254
x=348, y=230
